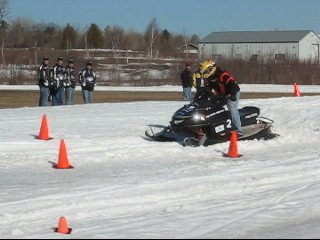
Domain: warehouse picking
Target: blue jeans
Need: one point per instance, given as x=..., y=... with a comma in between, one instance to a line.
x=58, y=98
x=187, y=94
x=44, y=95
x=87, y=96
x=70, y=95
x=233, y=108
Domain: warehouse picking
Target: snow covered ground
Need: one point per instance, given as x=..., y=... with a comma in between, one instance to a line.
x=265, y=88
x=123, y=186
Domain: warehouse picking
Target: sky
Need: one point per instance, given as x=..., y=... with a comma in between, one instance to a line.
x=199, y=17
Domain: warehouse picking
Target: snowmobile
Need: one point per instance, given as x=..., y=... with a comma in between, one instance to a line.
x=206, y=121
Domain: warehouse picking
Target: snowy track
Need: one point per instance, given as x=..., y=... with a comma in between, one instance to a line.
x=247, y=88
x=126, y=187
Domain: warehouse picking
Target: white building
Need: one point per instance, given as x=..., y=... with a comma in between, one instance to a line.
x=261, y=45
x=189, y=48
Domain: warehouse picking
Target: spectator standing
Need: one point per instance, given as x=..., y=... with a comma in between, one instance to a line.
x=70, y=82
x=58, y=81
x=43, y=82
x=199, y=82
x=88, y=80
x=187, y=82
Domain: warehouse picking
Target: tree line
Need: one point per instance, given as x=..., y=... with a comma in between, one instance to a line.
x=25, y=33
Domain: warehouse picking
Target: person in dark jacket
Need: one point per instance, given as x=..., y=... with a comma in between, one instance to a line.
x=70, y=82
x=88, y=81
x=43, y=82
x=58, y=78
x=187, y=82
x=225, y=86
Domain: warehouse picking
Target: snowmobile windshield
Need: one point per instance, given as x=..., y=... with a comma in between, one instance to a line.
x=205, y=100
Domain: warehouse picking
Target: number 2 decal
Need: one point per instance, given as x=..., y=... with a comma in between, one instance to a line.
x=229, y=125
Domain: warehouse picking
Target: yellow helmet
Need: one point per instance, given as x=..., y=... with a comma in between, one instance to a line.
x=208, y=68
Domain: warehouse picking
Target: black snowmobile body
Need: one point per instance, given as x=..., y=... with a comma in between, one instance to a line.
x=206, y=117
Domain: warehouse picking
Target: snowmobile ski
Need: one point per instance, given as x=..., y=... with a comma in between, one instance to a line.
x=160, y=136
x=191, y=142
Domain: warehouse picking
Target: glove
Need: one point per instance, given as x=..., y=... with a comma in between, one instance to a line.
x=221, y=102
x=83, y=84
x=232, y=97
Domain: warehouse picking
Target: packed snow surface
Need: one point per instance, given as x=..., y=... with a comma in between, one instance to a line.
x=251, y=88
x=123, y=186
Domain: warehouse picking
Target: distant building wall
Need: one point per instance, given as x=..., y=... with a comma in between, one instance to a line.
x=246, y=50
x=309, y=48
x=304, y=48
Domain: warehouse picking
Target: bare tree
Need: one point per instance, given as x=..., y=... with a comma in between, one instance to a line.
x=4, y=12
x=135, y=40
x=151, y=35
x=117, y=40
x=21, y=34
x=4, y=15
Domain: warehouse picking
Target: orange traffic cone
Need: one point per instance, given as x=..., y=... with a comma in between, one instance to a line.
x=63, y=162
x=297, y=92
x=63, y=227
x=233, y=148
x=44, y=130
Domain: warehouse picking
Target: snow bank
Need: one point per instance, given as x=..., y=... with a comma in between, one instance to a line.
x=252, y=88
x=126, y=187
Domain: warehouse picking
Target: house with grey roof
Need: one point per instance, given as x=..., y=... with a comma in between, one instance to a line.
x=302, y=45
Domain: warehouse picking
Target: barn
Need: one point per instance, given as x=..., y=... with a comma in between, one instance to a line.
x=253, y=46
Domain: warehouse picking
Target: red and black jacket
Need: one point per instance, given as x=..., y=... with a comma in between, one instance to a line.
x=224, y=84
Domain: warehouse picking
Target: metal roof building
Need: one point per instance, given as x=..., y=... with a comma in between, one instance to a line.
x=254, y=45
x=189, y=48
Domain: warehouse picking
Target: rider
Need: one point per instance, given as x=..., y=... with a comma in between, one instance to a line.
x=224, y=86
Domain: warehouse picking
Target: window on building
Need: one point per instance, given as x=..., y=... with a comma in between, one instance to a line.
x=280, y=58
x=254, y=58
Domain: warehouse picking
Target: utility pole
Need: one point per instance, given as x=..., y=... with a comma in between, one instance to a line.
x=36, y=53
x=86, y=42
x=151, y=44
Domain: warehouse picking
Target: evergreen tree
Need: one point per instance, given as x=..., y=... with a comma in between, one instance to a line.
x=69, y=36
x=166, y=35
x=195, y=39
x=95, y=37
